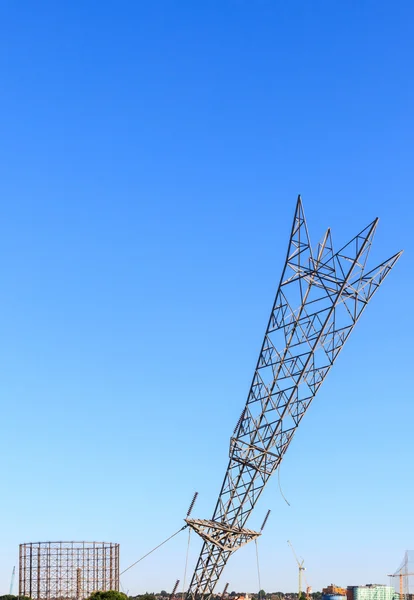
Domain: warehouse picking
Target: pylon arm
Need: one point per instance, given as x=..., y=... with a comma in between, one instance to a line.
x=221, y=535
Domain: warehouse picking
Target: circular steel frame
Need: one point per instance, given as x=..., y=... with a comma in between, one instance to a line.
x=67, y=570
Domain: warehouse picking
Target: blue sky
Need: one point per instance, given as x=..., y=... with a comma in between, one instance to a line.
x=150, y=158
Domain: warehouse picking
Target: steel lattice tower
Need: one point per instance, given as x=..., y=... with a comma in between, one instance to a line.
x=320, y=298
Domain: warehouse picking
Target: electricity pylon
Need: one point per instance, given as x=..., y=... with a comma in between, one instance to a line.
x=320, y=298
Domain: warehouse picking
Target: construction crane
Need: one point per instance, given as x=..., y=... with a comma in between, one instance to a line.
x=308, y=587
x=12, y=581
x=401, y=576
x=300, y=567
x=321, y=296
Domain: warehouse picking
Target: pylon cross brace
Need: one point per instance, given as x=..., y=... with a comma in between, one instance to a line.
x=253, y=456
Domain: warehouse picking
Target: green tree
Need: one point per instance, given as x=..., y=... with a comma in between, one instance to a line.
x=163, y=593
x=12, y=597
x=109, y=595
x=262, y=594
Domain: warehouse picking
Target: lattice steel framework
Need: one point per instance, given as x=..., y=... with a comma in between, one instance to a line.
x=67, y=570
x=320, y=298
x=403, y=578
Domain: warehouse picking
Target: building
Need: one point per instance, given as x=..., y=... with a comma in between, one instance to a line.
x=371, y=591
x=333, y=590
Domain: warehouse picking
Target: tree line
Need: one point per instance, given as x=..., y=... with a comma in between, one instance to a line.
x=114, y=595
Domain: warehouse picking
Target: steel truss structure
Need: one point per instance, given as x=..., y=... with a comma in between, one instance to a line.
x=405, y=576
x=67, y=570
x=320, y=298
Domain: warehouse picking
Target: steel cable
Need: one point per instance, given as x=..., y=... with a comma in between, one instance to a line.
x=186, y=561
x=258, y=568
x=153, y=550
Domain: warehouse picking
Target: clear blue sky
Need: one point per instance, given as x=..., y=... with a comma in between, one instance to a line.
x=150, y=158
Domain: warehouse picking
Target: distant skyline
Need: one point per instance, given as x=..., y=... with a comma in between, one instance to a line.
x=150, y=162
